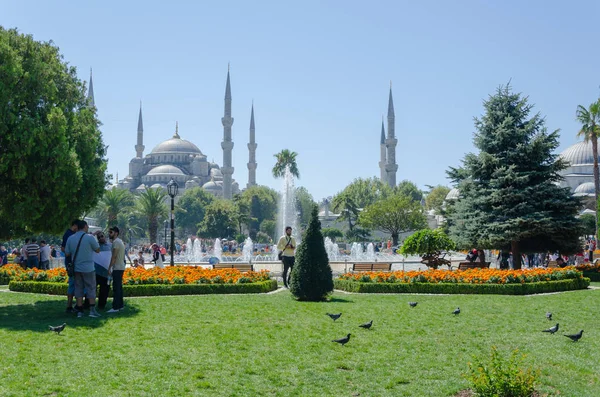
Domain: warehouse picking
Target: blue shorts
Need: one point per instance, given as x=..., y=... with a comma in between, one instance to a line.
x=71, y=289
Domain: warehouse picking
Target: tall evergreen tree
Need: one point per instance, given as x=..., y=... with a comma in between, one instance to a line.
x=508, y=196
x=311, y=277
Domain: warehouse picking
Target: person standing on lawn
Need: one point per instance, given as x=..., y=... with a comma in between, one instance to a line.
x=116, y=269
x=71, y=289
x=101, y=262
x=287, y=244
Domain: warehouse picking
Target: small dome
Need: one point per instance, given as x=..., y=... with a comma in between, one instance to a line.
x=452, y=194
x=142, y=187
x=212, y=186
x=579, y=154
x=165, y=170
x=157, y=186
x=585, y=189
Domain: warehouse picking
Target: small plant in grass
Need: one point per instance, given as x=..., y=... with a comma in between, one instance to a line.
x=501, y=377
x=311, y=277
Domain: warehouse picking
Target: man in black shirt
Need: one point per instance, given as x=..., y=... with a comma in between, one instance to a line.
x=71, y=290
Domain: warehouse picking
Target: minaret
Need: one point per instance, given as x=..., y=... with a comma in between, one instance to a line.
x=227, y=144
x=391, y=167
x=382, y=155
x=139, y=148
x=252, y=152
x=90, y=95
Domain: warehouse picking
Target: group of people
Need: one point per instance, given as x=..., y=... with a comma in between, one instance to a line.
x=30, y=255
x=93, y=261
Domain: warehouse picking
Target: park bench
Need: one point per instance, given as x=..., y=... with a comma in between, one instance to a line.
x=473, y=265
x=243, y=267
x=371, y=267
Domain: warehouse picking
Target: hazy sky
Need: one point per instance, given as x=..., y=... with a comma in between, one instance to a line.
x=319, y=74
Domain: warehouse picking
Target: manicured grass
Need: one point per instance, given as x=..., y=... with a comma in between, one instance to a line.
x=253, y=345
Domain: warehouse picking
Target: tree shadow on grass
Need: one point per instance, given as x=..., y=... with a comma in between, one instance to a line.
x=339, y=300
x=38, y=316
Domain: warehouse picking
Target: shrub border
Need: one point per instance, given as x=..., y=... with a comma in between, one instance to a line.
x=462, y=288
x=51, y=288
x=592, y=275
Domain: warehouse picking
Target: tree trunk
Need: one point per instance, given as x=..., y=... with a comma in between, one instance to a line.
x=516, y=254
x=596, y=177
x=394, y=239
x=152, y=229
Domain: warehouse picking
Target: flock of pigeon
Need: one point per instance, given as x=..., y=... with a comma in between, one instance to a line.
x=456, y=312
x=553, y=330
x=342, y=341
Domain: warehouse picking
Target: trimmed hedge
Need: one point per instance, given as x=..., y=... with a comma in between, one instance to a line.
x=43, y=287
x=462, y=288
x=4, y=279
x=593, y=276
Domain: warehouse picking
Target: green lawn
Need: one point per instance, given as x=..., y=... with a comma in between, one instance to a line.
x=254, y=345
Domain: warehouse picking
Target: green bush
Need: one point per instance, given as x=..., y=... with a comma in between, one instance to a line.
x=42, y=287
x=462, y=288
x=502, y=377
x=593, y=276
x=311, y=277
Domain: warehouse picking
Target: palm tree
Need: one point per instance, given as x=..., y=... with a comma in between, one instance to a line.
x=151, y=205
x=285, y=158
x=115, y=201
x=347, y=209
x=590, y=128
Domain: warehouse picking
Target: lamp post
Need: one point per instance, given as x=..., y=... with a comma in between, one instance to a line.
x=172, y=190
x=165, y=234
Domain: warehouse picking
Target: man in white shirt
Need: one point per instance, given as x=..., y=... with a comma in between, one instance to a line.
x=116, y=268
x=44, y=255
x=287, y=245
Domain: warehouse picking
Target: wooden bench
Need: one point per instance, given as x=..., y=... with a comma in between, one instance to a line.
x=243, y=267
x=371, y=267
x=473, y=265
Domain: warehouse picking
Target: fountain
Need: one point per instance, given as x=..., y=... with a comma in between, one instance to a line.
x=356, y=252
x=248, y=250
x=370, y=254
x=197, y=251
x=189, y=251
x=288, y=215
x=218, y=250
x=333, y=251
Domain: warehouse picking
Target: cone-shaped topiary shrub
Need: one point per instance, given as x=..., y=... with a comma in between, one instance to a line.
x=311, y=276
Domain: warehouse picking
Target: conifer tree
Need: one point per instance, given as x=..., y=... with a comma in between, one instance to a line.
x=311, y=277
x=509, y=199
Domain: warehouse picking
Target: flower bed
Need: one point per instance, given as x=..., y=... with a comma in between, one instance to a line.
x=590, y=271
x=472, y=281
x=155, y=281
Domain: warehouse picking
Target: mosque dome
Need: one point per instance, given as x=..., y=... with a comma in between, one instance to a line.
x=585, y=189
x=165, y=169
x=212, y=186
x=452, y=194
x=580, y=153
x=176, y=145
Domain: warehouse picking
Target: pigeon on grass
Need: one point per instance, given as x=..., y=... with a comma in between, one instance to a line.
x=367, y=325
x=456, y=311
x=342, y=341
x=552, y=330
x=58, y=329
x=413, y=304
x=575, y=337
x=549, y=316
x=334, y=316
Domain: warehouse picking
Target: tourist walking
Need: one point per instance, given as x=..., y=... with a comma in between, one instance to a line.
x=287, y=248
x=101, y=264
x=157, y=257
x=81, y=247
x=32, y=250
x=116, y=268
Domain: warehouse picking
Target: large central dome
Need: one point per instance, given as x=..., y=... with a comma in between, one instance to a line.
x=176, y=145
x=580, y=153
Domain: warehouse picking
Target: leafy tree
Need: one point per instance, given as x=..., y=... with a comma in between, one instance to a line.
x=219, y=219
x=589, y=224
x=435, y=198
x=114, y=202
x=286, y=158
x=268, y=227
x=256, y=204
x=191, y=207
x=363, y=192
x=304, y=205
x=395, y=214
x=263, y=238
x=332, y=232
x=347, y=209
x=311, y=277
x=151, y=205
x=590, y=128
x=508, y=198
x=52, y=158
x=409, y=189
x=429, y=244
x=358, y=234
